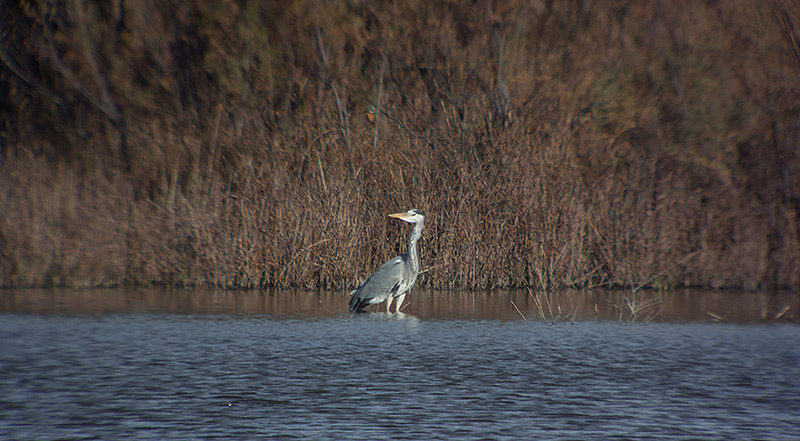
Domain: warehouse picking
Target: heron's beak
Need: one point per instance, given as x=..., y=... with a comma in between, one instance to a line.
x=402, y=216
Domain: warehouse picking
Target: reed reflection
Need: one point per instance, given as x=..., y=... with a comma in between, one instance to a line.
x=560, y=306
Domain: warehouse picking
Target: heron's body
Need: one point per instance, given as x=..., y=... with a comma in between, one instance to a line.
x=394, y=278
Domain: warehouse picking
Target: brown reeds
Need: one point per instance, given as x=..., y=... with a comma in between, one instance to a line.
x=565, y=144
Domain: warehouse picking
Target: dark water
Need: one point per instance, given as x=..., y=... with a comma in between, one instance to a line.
x=308, y=375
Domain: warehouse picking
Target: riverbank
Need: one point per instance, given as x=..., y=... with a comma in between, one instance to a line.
x=554, y=145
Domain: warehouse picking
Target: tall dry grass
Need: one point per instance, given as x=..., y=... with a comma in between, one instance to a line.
x=559, y=144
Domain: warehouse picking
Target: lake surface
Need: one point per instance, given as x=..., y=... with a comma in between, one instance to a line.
x=148, y=364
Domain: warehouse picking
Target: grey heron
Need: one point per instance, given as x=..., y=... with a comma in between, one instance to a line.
x=396, y=277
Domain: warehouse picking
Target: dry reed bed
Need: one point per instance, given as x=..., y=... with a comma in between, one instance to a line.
x=595, y=148
x=525, y=219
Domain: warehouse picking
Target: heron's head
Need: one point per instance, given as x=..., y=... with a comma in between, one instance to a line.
x=411, y=216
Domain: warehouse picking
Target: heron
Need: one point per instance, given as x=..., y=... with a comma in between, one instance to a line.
x=396, y=277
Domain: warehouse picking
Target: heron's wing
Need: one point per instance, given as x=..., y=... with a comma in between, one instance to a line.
x=384, y=282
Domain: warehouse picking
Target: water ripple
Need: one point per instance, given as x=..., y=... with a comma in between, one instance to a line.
x=145, y=376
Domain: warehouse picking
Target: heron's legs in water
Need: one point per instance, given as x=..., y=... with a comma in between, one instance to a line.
x=399, y=302
x=389, y=305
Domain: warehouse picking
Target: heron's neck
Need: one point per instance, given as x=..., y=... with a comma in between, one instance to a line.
x=416, y=233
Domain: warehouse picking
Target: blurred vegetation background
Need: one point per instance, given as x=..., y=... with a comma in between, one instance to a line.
x=551, y=143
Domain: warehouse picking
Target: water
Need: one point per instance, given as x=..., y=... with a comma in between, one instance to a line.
x=180, y=374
